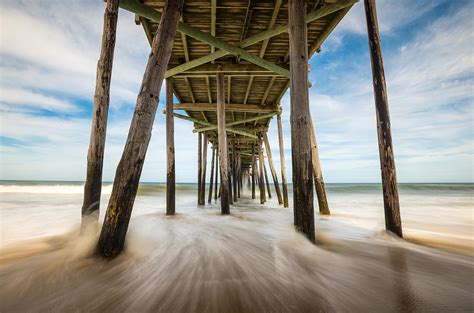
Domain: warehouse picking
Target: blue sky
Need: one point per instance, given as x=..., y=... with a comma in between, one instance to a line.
x=48, y=55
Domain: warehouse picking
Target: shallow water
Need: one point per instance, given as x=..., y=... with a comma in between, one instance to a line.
x=251, y=261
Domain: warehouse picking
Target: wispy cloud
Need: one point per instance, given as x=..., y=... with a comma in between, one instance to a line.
x=34, y=100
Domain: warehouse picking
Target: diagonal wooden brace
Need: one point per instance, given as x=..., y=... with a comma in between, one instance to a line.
x=312, y=16
x=151, y=14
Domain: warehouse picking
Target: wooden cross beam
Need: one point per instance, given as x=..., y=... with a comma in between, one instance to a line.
x=229, y=129
x=312, y=16
x=212, y=107
x=145, y=11
x=249, y=129
x=250, y=119
x=230, y=69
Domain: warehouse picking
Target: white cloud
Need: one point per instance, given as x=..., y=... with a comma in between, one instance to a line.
x=391, y=14
x=35, y=100
x=54, y=46
x=430, y=90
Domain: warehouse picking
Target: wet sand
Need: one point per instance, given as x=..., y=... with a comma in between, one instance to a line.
x=251, y=261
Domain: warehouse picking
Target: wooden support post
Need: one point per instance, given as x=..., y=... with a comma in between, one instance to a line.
x=254, y=172
x=272, y=168
x=393, y=221
x=318, y=174
x=282, y=161
x=262, y=175
x=231, y=179
x=95, y=155
x=202, y=195
x=257, y=173
x=127, y=177
x=170, y=157
x=223, y=151
x=199, y=175
x=239, y=176
x=217, y=172
x=300, y=120
x=266, y=180
x=211, y=180
x=234, y=172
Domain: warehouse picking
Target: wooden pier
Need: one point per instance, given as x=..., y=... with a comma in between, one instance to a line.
x=228, y=63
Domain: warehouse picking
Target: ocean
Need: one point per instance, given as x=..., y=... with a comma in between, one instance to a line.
x=250, y=261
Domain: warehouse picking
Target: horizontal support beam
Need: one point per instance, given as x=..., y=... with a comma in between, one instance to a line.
x=250, y=119
x=312, y=16
x=138, y=8
x=235, y=74
x=249, y=108
x=249, y=129
x=229, y=129
x=230, y=68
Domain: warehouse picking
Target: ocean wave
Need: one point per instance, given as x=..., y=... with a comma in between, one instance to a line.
x=75, y=189
x=49, y=189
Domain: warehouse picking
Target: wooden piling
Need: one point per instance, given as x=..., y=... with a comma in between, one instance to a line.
x=170, y=156
x=282, y=161
x=272, y=168
x=223, y=152
x=239, y=177
x=95, y=155
x=199, y=175
x=211, y=179
x=318, y=174
x=202, y=195
x=262, y=174
x=231, y=196
x=217, y=173
x=300, y=120
x=234, y=171
x=254, y=172
x=267, y=183
x=393, y=221
x=117, y=217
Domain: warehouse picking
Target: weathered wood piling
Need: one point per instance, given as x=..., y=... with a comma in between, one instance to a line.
x=202, y=191
x=217, y=172
x=261, y=179
x=117, y=217
x=300, y=120
x=318, y=175
x=170, y=157
x=393, y=221
x=223, y=151
x=282, y=161
x=199, y=165
x=272, y=168
x=211, y=179
x=267, y=183
x=254, y=171
x=95, y=155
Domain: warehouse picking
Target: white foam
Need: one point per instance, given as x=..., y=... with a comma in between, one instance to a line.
x=49, y=189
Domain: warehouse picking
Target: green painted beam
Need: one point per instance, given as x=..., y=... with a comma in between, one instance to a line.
x=312, y=16
x=329, y=28
x=138, y=8
x=229, y=129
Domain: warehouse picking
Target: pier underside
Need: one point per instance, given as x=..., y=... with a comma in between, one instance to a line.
x=228, y=64
x=256, y=77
